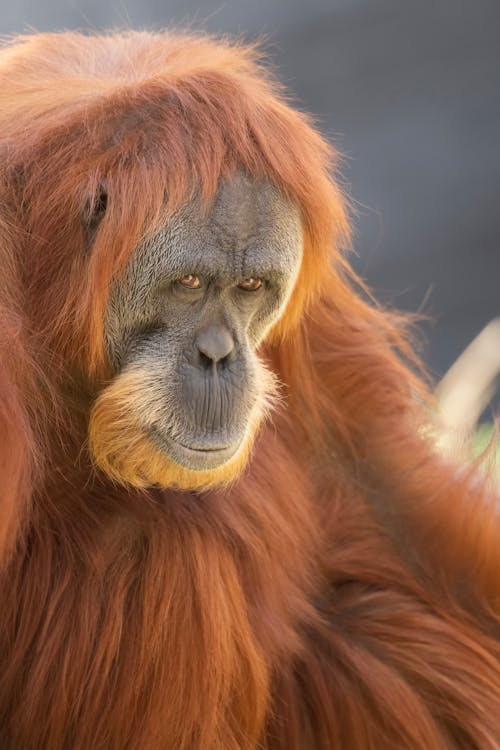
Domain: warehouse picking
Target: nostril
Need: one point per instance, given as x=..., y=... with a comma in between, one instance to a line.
x=208, y=362
x=205, y=360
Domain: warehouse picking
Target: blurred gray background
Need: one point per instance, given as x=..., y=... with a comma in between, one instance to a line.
x=409, y=90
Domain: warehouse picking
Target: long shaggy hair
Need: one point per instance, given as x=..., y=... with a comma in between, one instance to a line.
x=344, y=592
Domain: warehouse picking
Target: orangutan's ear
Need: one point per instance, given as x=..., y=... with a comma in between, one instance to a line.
x=94, y=210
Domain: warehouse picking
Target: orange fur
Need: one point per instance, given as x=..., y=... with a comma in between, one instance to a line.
x=344, y=591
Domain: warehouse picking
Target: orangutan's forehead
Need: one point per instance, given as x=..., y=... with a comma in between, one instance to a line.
x=250, y=228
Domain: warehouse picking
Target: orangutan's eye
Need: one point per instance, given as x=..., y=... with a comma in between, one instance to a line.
x=190, y=281
x=251, y=284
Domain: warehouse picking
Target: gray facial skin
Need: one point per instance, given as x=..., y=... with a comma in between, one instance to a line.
x=198, y=344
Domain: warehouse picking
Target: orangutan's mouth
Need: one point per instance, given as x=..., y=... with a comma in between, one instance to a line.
x=198, y=456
